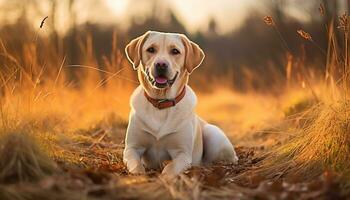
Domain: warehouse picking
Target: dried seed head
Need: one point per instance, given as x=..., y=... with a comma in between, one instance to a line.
x=321, y=9
x=305, y=35
x=344, y=22
x=269, y=21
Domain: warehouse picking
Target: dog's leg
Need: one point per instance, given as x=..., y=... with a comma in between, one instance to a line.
x=217, y=147
x=180, y=162
x=134, y=148
x=132, y=159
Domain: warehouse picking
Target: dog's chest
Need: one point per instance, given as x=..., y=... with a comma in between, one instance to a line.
x=157, y=151
x=160, y=122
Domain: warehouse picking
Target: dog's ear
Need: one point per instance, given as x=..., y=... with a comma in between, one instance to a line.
x=194, y=54
x=134, y=50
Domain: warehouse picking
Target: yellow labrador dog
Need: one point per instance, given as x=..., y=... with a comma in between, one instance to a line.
x=162, y=123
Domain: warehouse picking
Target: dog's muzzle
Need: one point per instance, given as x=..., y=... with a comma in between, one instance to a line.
x=161, y=81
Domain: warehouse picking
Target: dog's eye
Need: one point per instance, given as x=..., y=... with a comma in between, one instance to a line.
x=175, y=51
x=151, y=50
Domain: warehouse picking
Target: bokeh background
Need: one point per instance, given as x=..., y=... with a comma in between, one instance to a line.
x=276, y=79
x=241, y=50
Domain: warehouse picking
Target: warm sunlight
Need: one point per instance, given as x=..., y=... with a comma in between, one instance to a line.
x=174, y=99
x=196, y=13
x=119, y=7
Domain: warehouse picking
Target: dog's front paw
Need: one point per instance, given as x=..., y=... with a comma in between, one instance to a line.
x=137, y=170
x=169, y=171
x=167, y=176
x=172, y=170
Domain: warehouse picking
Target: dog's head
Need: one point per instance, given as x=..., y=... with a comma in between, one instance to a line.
x=164, y=57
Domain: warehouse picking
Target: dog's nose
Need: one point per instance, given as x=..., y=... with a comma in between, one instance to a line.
x=161, y=67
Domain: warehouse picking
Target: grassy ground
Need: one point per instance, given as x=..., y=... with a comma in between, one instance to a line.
x=62, y=129
x=73, y=150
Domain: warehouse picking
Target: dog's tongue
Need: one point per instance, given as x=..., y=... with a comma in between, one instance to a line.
x=161, y=80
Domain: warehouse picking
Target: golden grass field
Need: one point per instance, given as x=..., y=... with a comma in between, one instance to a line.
x=62, y=139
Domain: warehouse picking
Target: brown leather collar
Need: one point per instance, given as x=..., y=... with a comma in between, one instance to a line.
x=166, y=103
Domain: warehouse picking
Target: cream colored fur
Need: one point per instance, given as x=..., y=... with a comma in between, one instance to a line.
x=176, y=133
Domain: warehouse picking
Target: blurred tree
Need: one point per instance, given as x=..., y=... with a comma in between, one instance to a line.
x=171, y=24
x=252, y=46
x=71, y=36
x=54, y=34
x=212, y=28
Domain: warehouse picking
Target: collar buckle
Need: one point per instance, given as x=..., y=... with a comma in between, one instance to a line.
x=173, y=101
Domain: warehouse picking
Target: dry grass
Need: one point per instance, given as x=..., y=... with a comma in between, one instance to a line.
x=62, y=138
x=23, y=159
x=322, y=144
x=319, y=141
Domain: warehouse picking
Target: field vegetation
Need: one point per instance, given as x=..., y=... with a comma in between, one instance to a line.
x=64, y=110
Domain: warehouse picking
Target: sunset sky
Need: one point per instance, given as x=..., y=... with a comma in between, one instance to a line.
x=195, y=14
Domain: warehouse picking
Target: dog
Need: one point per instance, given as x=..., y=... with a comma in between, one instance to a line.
x=162, y=124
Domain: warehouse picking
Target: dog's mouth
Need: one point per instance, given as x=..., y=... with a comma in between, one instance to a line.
x=160, y=81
